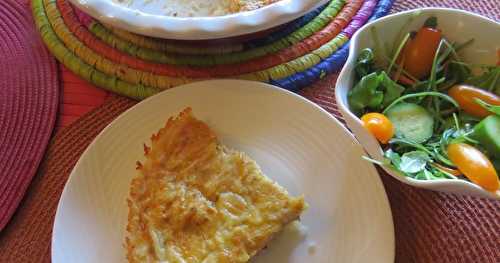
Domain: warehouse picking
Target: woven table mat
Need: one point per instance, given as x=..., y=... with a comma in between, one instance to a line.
x=27, y=237
x=29, y=94
x=429, y=226
x=138, y=67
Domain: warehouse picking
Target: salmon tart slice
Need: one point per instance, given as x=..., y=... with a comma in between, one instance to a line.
x=194, y=200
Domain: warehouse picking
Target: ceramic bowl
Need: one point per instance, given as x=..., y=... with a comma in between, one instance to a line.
x=456, y=25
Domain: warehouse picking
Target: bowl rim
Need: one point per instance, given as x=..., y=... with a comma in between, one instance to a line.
x=347, y=114
x=196, y=28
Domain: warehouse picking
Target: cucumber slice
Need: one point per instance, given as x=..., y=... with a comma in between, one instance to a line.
x=411, y=122
x=487, y=133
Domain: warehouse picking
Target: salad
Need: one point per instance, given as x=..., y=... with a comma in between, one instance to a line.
x=435, y=115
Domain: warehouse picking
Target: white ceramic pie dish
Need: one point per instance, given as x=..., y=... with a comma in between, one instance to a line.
x=144, y=17
x=456, y=25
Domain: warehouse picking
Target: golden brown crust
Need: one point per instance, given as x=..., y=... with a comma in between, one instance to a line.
x=247, y=5
x=195, y=201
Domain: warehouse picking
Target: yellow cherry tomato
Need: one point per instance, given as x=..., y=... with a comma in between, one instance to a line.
x=378, y=125
x=474, y=165
x=465, y=96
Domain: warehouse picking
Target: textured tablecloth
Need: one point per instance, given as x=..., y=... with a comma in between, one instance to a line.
x=29, y=93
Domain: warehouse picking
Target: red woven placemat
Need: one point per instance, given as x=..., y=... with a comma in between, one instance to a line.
x=78, y=98
x=28, y=103
x=430, y=227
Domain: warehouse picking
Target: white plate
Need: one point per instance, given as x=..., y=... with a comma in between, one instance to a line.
x=295, y=142
x=144, y=17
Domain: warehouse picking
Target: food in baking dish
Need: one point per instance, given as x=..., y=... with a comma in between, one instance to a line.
x=200, y=8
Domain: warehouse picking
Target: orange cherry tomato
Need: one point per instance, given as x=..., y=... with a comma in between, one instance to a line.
x=419, y=52
x=474, y=165
x=378, y=125
x=465, y=95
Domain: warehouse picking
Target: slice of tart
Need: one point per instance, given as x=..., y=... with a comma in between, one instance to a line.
x=195, y=200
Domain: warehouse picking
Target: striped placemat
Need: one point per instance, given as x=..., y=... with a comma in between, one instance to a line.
x=136, y=66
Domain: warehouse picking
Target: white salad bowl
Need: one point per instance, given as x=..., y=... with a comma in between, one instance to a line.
x=145, y=17
x=456, y=25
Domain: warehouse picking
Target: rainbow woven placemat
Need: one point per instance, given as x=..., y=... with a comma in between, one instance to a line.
x=291, y=57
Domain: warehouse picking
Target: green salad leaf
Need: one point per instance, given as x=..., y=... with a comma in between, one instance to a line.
x=393, y=157
x=467, y=118
x=489, y=80
x=364, y=63
x=375, y=90
x=458, y=72
x=365, y=94
x=392, y=90
x=492, y=108
x=431, y=22
x=425, y=175
x=414, y=161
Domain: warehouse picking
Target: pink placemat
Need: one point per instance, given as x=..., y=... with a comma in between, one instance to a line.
x=430, y=227
x=28, y=103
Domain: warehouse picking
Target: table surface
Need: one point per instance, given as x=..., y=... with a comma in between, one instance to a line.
x=79, y=97
x=430, y=226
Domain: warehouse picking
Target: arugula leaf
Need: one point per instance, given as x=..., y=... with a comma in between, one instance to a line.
x=467, y=118
x=422, y=94
x=392, y=89
x=412, y=164
x=365, y=94
x=393, y=157
x=458, y=72
x=373, y=91
x=414, y=161
x=364, y=63
x=438, y=174
x=492, y=108
x=408, y=143
x=398, y=51
x=426, y=175
x=431, y=22
x=489, y=80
